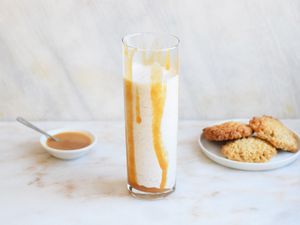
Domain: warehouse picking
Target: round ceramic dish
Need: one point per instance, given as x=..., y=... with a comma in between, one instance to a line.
x=68, y=154
x=213, y=151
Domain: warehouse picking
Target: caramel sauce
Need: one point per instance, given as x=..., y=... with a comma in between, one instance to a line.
x=69, y=141
x=148, y=189
x=138, y=117
x=129, y=114
x=158, y=98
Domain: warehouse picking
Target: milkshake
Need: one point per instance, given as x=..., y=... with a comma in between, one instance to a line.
x=151, y=118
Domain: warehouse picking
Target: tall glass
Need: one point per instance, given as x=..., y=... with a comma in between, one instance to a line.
x=150, y=68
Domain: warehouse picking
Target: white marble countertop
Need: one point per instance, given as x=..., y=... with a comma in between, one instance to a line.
x=39, y=189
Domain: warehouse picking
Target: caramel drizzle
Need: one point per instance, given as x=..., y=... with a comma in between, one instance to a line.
x=158, y=98
x=138, y=117
x=128, y=89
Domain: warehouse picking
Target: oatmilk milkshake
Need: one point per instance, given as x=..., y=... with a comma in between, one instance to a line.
x=151, y=117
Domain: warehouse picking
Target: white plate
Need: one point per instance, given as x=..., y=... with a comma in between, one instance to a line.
x=213, y=151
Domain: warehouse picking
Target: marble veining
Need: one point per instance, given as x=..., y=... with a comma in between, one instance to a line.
x=39, y=189
x=61, y=60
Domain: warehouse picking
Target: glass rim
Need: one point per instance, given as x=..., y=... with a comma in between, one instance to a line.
x=174, y=46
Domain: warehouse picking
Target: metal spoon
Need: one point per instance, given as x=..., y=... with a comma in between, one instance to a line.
x=26, y=123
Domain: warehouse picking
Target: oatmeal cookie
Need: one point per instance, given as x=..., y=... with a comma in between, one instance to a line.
x=227, y=131
x=250, y=149
x=273, y=131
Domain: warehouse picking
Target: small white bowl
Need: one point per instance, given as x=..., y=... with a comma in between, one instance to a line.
x=68, y=154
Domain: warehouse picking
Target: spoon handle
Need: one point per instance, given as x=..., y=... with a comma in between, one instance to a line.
x=28, y=124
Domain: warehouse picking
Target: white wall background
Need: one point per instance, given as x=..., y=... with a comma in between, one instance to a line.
x=61, y=59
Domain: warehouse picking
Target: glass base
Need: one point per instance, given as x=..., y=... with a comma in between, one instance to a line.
x=148, y=195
